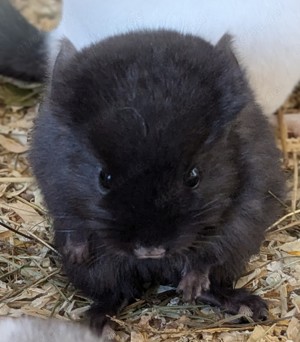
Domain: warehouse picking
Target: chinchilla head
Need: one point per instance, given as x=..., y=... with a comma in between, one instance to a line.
x=134, y=141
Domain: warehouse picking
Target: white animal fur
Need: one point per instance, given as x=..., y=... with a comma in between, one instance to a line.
x=266, y=33
x=39, y=330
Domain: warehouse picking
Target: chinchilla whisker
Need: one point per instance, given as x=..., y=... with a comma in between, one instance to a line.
x=200, y=243
x=209, y=237
x=108, y=253
x=182, y=251
x=205, y=205
x=206, y=208
x=206, y=211
x=66, y=231
x=200, y=222
x=104, y=246
x=90, y=219
x=99, y=247
x=99, y=230
x=93, y=260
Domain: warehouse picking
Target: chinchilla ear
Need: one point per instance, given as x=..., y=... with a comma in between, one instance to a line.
x=235, y=93
x=66, y=52
x=225, y=45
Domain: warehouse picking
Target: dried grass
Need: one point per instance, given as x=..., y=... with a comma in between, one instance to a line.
x=32, y=283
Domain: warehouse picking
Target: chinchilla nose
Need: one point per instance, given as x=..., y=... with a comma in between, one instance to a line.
x=149, y=252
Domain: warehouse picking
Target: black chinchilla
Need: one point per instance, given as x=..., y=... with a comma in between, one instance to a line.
x=157, y=166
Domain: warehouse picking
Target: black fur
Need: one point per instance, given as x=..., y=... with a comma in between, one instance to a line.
x=23, y=48
x=147, y=107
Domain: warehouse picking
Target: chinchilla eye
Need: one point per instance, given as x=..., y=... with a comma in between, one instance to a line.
x=105, y=179
x=192, y=178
